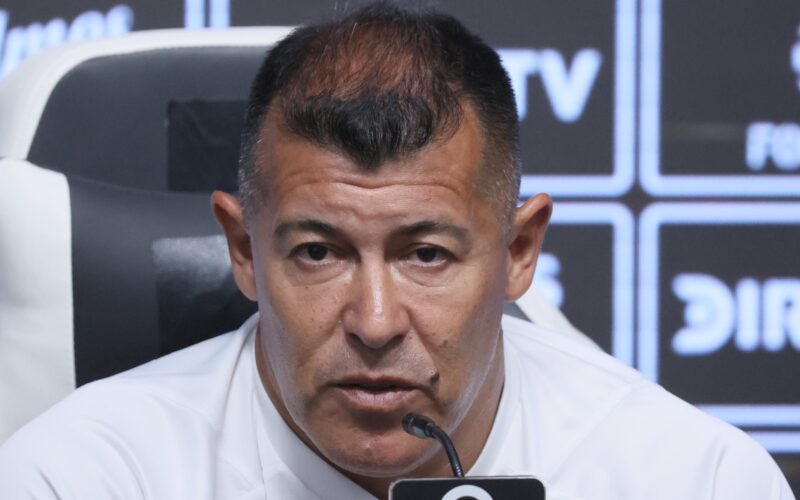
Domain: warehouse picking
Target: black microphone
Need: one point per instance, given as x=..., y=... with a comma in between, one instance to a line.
x=424, y=428
x=440, y=488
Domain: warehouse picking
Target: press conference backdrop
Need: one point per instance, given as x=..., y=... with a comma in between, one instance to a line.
x=668, y=133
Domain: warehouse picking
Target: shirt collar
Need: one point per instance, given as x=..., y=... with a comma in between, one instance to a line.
x=276, y=440
x=494, y=459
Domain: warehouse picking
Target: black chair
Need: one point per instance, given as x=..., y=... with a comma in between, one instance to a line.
x=109, y=255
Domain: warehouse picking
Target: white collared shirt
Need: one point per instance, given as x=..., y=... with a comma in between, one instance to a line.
x=198, y=425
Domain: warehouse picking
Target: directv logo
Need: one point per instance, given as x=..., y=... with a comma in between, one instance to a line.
x=752, y=314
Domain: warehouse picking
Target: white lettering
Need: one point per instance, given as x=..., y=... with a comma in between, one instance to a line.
x=546, y=278
x=754, y=315
x=786, y=146
x=220, y=14
x=14, y=49
x=747, y=295
x=21, y=42
x=467, y=491
x=119, y=20
x=55, y=32
x=779, y=142
x=3, y=28
x=520, y=64
x=795, y=58
x=757, y=145
x=89, y=25
x=708, y=314
x=567, y=89
x=781, y=313
x=776, y=142
x=194, y=14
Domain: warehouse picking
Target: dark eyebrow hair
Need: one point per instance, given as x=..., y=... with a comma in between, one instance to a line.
x=429, y=226
x=311, y=225
x=421, y=227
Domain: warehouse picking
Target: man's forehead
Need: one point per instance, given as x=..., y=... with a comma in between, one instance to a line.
x=286, y=160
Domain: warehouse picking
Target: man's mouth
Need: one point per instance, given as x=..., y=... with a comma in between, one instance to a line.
x=376, y=394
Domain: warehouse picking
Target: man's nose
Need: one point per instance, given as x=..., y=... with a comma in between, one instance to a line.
x=374, y=313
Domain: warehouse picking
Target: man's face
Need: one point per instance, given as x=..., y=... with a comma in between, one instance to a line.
x=380, y=293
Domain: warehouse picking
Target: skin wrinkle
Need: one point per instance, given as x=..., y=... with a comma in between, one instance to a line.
x=345, y=212
x=421, y=228
x=365, y=178
x=356, y=184
x=383, y=84
x=375, y=310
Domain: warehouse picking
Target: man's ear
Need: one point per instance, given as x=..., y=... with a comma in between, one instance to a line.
x=230, y=217
x=527, y=235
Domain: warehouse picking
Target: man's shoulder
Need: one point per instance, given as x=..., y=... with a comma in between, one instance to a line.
x=553, y=358
x=131, y=426
x=582, y=380
x=596, y=414
x=191, y=375
x=194, y=379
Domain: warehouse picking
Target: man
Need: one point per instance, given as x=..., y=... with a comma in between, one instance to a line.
x=377, y=229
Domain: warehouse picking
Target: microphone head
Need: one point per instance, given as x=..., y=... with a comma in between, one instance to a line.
x=417, y=425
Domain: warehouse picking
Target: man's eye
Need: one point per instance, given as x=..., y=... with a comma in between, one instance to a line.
x=429, y=255
x=314, y=252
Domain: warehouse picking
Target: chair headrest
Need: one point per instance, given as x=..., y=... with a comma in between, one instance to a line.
x=83, y=108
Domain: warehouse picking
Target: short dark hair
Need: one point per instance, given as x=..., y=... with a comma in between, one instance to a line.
x=381, y=84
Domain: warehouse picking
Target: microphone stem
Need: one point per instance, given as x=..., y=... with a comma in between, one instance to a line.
x=452, y=455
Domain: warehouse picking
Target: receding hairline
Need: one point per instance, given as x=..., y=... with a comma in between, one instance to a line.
x=354, y=90
x=481, y=185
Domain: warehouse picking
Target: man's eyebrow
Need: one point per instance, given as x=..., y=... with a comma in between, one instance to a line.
x=417, y=228
x=430, y=226
x=309, y=225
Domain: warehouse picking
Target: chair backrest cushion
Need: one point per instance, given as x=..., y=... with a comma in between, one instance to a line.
x=98, y=278
x=108, y=109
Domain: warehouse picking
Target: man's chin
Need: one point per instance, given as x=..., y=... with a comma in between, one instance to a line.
x=382, y=456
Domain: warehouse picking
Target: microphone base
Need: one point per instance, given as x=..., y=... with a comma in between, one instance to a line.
x=479, y=488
